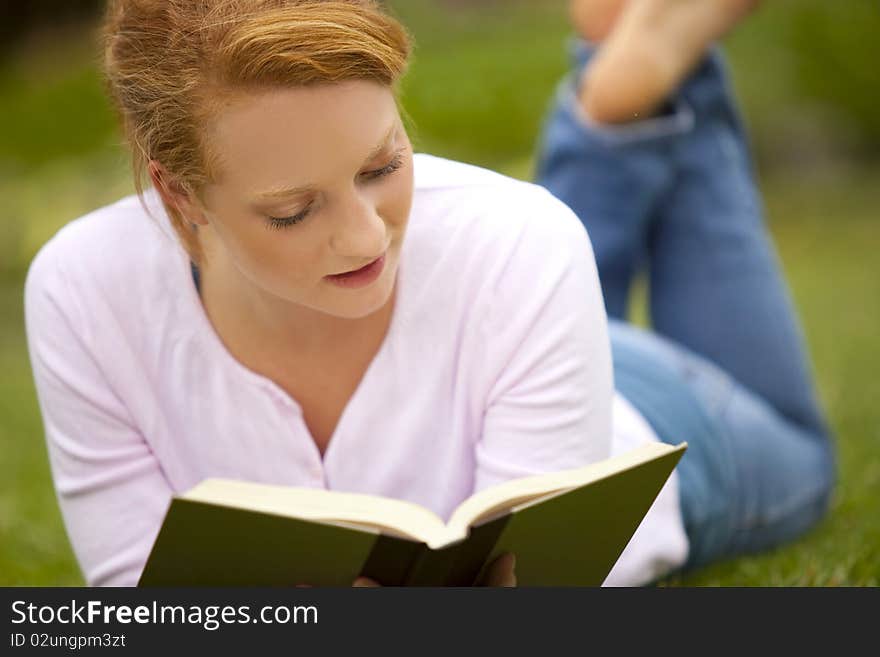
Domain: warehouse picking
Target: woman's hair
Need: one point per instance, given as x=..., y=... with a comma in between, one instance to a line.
x=170, y=64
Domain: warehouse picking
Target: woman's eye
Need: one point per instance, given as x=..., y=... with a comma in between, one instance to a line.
x=396, y=163
x=387, y=170
x=278, y=223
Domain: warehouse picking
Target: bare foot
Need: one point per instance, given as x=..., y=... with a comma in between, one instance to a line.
x=648, y=48
x=595, y=18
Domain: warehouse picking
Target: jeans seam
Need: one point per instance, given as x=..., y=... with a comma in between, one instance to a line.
x=769, y=515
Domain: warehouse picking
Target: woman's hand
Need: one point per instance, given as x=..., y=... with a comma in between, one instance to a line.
x=362, y=582
x=358, y=582
x=499, y=573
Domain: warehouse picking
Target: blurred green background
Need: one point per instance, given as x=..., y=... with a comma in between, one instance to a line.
x=806, y=75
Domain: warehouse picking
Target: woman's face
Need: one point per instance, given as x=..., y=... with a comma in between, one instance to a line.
x=311, y=184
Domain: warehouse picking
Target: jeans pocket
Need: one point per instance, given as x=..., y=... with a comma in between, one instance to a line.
x=678, y=120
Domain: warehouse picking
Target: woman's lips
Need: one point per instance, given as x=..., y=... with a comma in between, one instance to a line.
x=359, y=277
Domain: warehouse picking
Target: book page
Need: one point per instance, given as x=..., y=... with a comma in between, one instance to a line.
x=503, y=497
x=386, y=515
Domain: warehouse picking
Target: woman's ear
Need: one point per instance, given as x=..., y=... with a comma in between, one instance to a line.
x=176, y=195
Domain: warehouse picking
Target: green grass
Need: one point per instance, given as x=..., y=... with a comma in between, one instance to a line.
x=48, y=110
x=477, y=91
x=33, y=545
x=460, y=91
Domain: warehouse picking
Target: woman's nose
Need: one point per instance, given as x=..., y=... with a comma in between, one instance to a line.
x=359, y=231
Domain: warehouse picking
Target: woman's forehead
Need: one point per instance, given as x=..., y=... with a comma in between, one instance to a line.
x=270, y=140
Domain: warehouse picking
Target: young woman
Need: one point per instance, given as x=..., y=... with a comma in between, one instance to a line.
x=300, y=300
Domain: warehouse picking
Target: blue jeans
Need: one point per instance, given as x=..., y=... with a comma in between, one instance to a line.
x=725, y=367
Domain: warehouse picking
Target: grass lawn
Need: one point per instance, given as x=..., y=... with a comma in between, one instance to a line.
x=476, y=92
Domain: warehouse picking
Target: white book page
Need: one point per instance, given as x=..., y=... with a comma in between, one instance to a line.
x=387, y=515
x=492, y=501
x=405, y=519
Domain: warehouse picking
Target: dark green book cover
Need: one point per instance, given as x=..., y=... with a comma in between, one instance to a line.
x=570, y=538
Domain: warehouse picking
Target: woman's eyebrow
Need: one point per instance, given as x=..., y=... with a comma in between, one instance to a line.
x=286, y=192
x=382, y=145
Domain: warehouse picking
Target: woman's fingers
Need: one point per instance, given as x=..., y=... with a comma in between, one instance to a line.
x=501, y=571
x=365, y=582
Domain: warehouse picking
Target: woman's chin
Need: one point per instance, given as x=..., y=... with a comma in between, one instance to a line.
x=360, y=303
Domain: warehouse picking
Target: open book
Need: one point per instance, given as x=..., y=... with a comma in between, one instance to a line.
x=566, y=529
